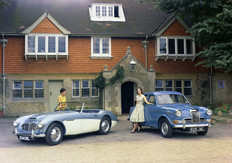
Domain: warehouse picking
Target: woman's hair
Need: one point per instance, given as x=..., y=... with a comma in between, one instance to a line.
x=140, y=89
x=62, y=90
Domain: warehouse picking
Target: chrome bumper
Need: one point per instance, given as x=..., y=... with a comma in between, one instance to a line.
x=32, y=135
x=191, y=125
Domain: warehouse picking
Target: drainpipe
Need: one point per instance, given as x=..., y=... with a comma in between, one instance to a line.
x=3, y=41
x=145, y=45
x=211, y=86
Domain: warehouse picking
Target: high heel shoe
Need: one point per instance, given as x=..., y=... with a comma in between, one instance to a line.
x=139, y=130
x=132, y=132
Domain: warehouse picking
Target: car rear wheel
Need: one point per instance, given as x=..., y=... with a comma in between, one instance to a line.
x=105, y=126
x=54, y=134
x=165, y=128
x=203, y=133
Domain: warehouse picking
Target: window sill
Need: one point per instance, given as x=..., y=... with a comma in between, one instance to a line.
x=47, y=56
x=175, y=57
x=101, y=57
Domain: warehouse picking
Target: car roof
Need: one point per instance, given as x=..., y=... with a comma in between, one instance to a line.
x=162, y=92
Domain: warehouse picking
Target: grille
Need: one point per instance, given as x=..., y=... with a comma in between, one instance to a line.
x=195, y=116
x=189, y=120
x=29, y=127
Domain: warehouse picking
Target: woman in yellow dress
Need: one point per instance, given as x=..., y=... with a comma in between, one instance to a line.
x=62, y=100
x=138, y=113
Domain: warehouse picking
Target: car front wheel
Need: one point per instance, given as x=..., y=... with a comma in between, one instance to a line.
x=54, y=134
x=165, y=128
x=104, y=126
x=203, y=133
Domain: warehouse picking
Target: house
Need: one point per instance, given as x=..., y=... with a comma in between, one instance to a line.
x=47, y=45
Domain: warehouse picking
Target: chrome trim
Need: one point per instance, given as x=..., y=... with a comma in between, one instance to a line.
x=191, y=125
x=32, y=134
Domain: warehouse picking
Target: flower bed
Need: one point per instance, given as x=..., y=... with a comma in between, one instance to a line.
x=223, y=109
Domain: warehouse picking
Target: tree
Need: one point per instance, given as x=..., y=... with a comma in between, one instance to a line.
x=4, y=3
x=212, y=27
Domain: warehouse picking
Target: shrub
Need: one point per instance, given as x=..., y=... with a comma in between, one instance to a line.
x=224, y=108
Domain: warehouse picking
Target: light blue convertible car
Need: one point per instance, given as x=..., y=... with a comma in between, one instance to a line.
x=53, y=126
x=172, y=111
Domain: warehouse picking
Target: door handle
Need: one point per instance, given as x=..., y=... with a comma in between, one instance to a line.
x=50, y=93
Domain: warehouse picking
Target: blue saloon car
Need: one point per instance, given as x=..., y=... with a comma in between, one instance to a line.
x=172, y=111
x=53, y=126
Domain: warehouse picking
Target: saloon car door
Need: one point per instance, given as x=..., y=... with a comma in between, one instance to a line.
x=73, y=124
x=151, y=112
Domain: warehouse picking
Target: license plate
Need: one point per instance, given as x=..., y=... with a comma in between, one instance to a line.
x=198, y=129
x=24, y=138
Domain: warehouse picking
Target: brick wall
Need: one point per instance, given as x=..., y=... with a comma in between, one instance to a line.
x=46, y=26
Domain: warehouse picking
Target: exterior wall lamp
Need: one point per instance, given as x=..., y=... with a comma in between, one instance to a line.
x=132, y=65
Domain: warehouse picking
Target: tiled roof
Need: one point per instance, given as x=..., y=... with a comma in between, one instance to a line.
x=73, y=15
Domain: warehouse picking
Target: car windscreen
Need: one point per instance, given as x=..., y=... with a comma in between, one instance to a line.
x=171, y=99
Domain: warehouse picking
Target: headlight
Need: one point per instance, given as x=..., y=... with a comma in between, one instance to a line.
x=178, y=113
x=40, y=124
x=15, y=123
x=208, y=112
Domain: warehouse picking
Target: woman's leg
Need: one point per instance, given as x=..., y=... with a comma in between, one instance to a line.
x=135, y=126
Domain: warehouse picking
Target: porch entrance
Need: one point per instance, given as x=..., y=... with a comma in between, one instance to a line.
x=127, y=96
x=54, y=92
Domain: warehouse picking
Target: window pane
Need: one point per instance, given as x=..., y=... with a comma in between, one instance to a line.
x=103, y=10
x=116, y=14
x=105, y=46
x=163, y=48
x=97, y=10
x=96, y=45
x=85, y=92
x=178, y=86
x=85, y=84
x=159, y=89
x=17, y=85
x=94, y=90
x=171, y=46
x=180, y=43
x=31, y=44
x=39, y=93
x=61, y=43
x=28, y=84
x=178, y=83
x=168, y=84
x=51, y=44
x=189, y=46
x=188, y=91
x=187, y=83
x=110, y=11
x=159, y=83
x=17, y=93
x=39, y=84
x=41, y=44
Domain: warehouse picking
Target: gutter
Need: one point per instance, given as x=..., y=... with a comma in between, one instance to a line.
x=145, y=45
x=4, y=42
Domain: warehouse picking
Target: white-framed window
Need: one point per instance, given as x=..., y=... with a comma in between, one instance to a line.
x=175, y=45
x=39, y=89
x=95, y=91
x=101, y=47
x=28, y=89
x=106, y=12
x=85, y=88
x=46, y=44
x=182, y=86
x=17, y=89
x=76, y=88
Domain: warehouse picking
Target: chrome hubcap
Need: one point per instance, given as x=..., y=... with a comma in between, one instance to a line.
x=105, y=125
x=55, y=134
x=164, y=128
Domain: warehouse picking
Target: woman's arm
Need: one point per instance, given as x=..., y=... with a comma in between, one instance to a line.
x=59, y=100
x=146, y=100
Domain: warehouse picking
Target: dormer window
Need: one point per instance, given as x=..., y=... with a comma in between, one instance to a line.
x=106, y=12
x=175, y=48
x=46, y=45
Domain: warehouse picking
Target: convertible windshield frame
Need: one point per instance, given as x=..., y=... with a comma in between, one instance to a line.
x=164, y=99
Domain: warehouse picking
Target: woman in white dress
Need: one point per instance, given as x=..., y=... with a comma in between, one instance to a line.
x=138, y=113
